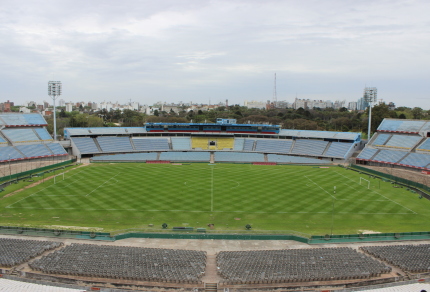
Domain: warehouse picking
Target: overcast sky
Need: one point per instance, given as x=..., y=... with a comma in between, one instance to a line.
x=201, y=51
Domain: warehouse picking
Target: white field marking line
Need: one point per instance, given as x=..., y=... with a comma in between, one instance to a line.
x=320, y=187
x=388, y=199
x=238, y=184
x=199, y=211
x=101, y=185
x=346, y=183
x=212, y=190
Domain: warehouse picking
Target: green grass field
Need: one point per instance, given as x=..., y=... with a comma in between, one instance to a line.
x=276, y=198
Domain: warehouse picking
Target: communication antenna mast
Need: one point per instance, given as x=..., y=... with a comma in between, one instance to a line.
x=275, y=96
x=54, y=91
x=370, y=95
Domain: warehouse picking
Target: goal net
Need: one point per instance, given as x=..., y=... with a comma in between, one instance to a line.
x=364, y=182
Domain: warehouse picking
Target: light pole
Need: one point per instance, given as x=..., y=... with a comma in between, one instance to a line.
x=54, y=91
x=369, y=96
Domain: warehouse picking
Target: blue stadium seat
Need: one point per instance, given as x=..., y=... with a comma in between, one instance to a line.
x=273, y=146
x=151, y=144
x=185, y=156
x=86, y=145
x=127, y=157
x=9, y=152
x=238, y=157
x=21, y=135
x=56, y=148
x=389, y=155
x=34, y=150
x=338, y=149
x=367, y=153
x=43, y=134
x=238, y=144
x=309, y=147
x=416, y=159
x=181, y=143
x=114, y=144
x=294, y=159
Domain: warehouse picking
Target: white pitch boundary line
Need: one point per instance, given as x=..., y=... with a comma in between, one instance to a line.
x=102, y=185
x=387, y=199
x=320, y=187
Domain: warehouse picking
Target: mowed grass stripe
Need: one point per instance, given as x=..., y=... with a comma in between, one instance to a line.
x=235, y=188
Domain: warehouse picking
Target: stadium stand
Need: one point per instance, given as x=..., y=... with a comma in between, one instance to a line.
x=238, y=157
x=309, y=147
x=273, y=146
x=403, y=141
x=69, y=132
x=21, y=135
x=115, y=144
x=130, y=263
x=296, y=265
x=416, y=159
x=425, y=146
x=320, y=134
x=181, y=143
x=7, y=285
x=17, y=251
x=200, y=143
x=409, y=258
x=224, y=143
x=9, y=153
x=151, y=144
x=3, y=142
x=127, y=157
x=85, y=145
x=401, y=126
x=248, y=145
x=389, y=156
x=338, y=149
x=43, y=134
x=18, y=120
x=185, y=156
x=56, y=149
x=367, y=153
x=294, y=159
x=34, y=150
x=238, y=144
x=381, y=139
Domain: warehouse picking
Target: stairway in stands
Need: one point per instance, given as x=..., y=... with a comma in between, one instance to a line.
x=211, y=287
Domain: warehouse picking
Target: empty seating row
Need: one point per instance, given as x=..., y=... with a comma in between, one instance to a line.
x=425, y=146
x=151, y=144
x=403, y=141
x=248, y=145
x=200, y=143
x=412, y=126
x=273, y=146
x=416, y=159
x=294, y=159
x=185, y=156
x=16, y=119
x=31, y=150
x=238, y=157
x=7, y=285
x=181, y=143
x=21, y=135
x=409, y=258
x=296, y=265
x=238, y=144
x=34, y=150
x=17, y=251
x=309, y=147
x=128, y=263
x=367, y=153
x=127, y=157
x=390, y=156
x=338, y=149
x=381, y=139
x=114, y=144
x=85, y=145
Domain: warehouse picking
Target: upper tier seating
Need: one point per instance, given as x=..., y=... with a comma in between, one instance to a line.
x=21, y=135
x=424, y=146
x=185, y=156
x=381, y=139
x=200, y=143
x=22, y=119
x=86, y=145
x=17, y=251
x=238, y=157
x=297, y=265
x=9, y=152
x=401, y=125
x=338, y=149
x=409, y=258
x=3, y=142
x=416, y=159
x=56, y=148
x=238, y=144
x=151, y=144
x=34, y=150
x=248, y=145
x=181, y=143
x=114, y=144
x=367, y=153
x=126, y=263
x=43, y=134
x=389, y=156
x=127, y=157
x=309, y=147
x=273, y=146
x=403, y=141
x=319, y=134
x=294, y=159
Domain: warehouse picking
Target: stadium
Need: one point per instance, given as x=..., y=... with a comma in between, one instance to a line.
x=214, y=206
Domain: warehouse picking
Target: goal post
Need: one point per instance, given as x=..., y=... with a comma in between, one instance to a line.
x=55, y=177
x=363, y=181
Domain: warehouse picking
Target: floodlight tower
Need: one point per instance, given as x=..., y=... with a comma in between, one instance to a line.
x=370, y=95
x=54, y=91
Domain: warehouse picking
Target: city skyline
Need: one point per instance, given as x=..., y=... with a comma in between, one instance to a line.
x=210, y=51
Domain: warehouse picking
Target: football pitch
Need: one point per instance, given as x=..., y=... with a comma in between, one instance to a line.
x=311, y=200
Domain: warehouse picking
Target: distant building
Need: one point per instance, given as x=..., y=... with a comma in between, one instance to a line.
x=255, y=104
x=352, y=105
x=69, y=107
